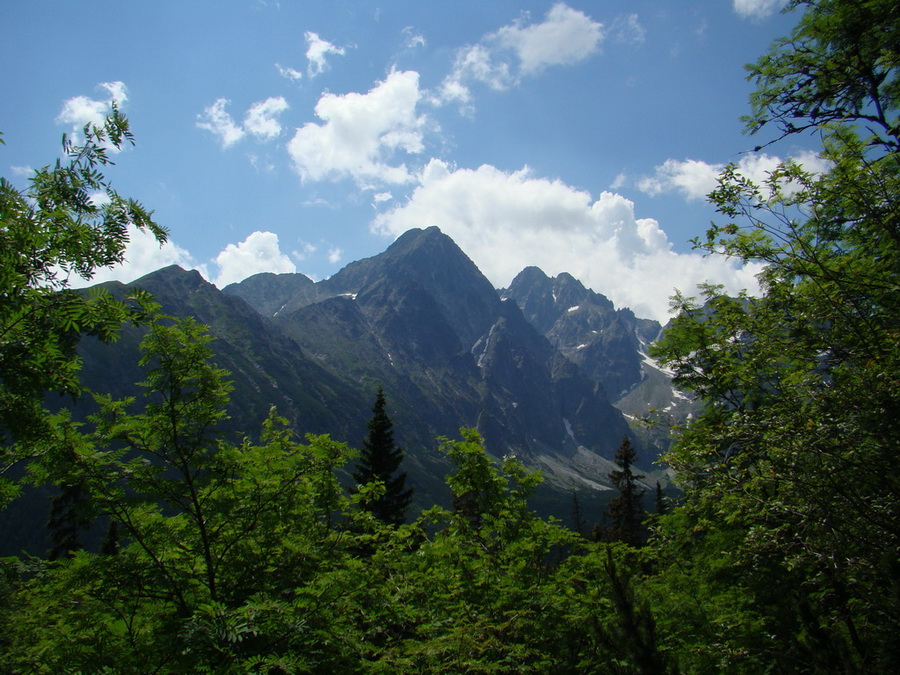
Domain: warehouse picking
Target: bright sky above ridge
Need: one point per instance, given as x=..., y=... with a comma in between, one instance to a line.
x=576, y=136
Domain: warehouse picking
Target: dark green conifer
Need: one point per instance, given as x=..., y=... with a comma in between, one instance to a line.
x=625, y=511
x=110, y=544
x=660, y=500
x=67, y=520
x=577, y=517
x=380, y=461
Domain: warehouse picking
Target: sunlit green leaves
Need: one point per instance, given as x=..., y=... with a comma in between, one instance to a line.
x=839, y=65
x=68, y=221
x=786, y=469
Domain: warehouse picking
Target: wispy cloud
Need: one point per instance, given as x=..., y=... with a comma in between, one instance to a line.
x=334, y=255
x=261, y=121
x=413, y=40
x=219, y=122
x=694, y=179
x=757, y=9
x=317, y=51
x=304, y=251
x=289, y=73
x=566, y=36
x=629, y=29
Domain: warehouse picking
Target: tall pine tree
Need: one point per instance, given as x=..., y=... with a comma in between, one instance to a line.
x=68, y=519
x=379, y=461
x=624, y=512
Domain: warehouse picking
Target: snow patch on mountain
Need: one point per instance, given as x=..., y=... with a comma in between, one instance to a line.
x=653, y=363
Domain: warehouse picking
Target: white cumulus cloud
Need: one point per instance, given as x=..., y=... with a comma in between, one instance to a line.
x=317, y=51
x=566, y=36
x=262, y=118
x=259, y=252
x=143, y=255
x=361, y=134
x=757, y=9
x=261, y=121
x=694, y=179
x=506, y=221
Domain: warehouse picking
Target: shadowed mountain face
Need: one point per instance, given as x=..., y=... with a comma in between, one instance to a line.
x=609, y=346
x=421, y=321
x=530, y=369
x=603, y=342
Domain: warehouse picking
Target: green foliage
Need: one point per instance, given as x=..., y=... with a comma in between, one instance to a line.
x=490, y=587
x=243, y=559
x=69, y=221
x=67, y=520
x=248, y=557
x=471, y=595
x=793, y=513
x=838, y=66
x=218, y=542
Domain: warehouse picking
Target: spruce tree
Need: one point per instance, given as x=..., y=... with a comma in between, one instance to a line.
x=380, y=461
x=67, y=520
x=661, y=507
x=624, y=512
x=577, y=517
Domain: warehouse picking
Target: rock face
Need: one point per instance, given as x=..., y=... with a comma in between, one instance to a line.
x=421, y=320
x=608, y=345
x=605, y=343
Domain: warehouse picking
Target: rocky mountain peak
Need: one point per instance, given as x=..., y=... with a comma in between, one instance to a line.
x=269, y=293
x=585, y=326
x=434, y=263
x=425, y=259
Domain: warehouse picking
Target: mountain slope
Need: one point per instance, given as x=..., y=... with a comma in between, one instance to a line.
x=608, y=345
x=266, y=367
x=584, y=326
x=421, y=320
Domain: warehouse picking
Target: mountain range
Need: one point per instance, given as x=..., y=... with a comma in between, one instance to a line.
x=546, y=370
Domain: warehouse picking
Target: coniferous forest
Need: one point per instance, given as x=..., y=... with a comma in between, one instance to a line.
x=249, y=554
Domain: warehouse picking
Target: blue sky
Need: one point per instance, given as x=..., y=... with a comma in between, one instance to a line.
x=299, y=136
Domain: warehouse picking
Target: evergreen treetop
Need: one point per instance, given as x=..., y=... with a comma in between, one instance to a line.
x=380, y=461
x=624, y=512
